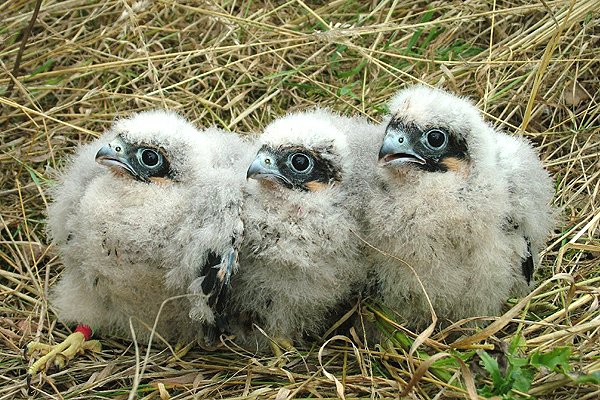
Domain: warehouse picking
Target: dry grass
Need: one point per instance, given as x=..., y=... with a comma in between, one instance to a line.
x=533, y=68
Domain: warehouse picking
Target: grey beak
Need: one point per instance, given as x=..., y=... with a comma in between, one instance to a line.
x=264, y=167
x=105, y=152
x=113, y=155
x=396, y=150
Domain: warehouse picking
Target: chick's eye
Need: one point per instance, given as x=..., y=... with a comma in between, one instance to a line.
x=300, y=162
x=436, y=138
x=150, y=157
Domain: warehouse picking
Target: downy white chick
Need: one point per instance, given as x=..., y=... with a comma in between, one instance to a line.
x=468, y=207
x=300, y=258
x=148, y=211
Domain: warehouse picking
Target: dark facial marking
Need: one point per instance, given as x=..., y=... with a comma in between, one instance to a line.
x=152, y=163
x=143, y=162
x=305, y=169
x=434, y=145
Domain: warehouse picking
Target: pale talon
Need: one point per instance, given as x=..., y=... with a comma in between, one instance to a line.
x=280, y=346
x=180, y=351
x=61, y=353
x=148, y=227
x=275, y=349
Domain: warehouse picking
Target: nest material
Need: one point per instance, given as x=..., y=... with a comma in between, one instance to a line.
x=532, y=67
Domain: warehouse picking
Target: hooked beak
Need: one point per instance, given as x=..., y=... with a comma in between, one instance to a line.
x=264, y=167
x=396, y=150
x=113, y=155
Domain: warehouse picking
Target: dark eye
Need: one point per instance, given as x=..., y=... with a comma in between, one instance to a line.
x=436, y=138
x=150, y=157
x=300, y=162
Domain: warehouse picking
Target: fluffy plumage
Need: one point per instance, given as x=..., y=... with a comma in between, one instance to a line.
x=300, y=259
x=157, y=216
x=465, y=205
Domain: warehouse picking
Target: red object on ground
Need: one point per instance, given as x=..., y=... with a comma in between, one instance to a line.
x=86, y=330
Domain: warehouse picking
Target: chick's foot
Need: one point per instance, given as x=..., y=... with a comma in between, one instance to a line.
x=75, y=344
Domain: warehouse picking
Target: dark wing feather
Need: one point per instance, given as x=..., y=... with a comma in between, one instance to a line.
x=215, y=284
x=527, y=264
x=216, y=275
x=209, y=272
